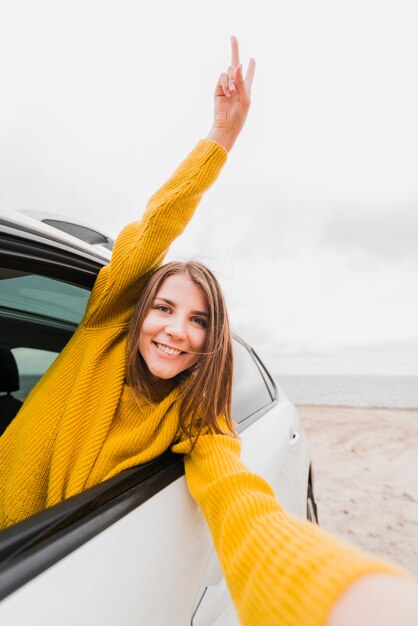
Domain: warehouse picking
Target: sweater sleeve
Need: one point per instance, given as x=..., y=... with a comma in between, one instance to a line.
x=141, y=246
x=280, y=570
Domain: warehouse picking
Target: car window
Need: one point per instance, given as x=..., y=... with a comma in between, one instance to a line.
x=32, y=364
x=250, y=393
x=42, y=295
x=38, y=315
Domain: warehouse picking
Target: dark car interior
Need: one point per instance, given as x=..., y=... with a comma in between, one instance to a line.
x=9, y=382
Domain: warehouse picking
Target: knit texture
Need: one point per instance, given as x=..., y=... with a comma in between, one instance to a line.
x=281, y=571
x=80, y=426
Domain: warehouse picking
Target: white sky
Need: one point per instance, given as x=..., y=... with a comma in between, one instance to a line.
x=313, y=225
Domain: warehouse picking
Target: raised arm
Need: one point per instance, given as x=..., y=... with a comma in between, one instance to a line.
x=142, y=246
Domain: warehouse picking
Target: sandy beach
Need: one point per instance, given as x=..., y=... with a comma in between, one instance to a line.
x=366, y=477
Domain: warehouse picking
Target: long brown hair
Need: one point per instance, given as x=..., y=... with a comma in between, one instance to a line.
x=206, y=388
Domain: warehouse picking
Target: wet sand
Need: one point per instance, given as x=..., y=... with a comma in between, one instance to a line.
x=366, y=477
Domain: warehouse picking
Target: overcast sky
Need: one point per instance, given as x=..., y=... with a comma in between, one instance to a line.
x=313, y=224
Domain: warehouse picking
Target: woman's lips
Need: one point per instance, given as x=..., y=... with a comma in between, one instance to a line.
x=167, y=350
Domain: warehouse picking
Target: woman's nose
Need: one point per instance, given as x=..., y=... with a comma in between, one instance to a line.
x=176, y=329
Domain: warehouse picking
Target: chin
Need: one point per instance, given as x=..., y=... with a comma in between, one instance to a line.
x=162, y=373
x=164, y=376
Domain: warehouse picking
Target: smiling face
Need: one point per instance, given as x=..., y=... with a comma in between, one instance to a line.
x=181, y=320
x=173, y=333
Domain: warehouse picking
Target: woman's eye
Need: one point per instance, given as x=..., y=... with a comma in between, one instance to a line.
x=162, y=308
x=199, y=321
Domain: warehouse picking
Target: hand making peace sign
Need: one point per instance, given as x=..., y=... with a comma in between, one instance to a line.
x=232, y=100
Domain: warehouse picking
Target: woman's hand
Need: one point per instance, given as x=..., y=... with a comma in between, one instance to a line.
x=232, y=100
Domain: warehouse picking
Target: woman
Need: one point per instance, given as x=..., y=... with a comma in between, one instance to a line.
x=150, y=367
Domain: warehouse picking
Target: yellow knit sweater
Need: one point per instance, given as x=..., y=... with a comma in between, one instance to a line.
x=80, y=426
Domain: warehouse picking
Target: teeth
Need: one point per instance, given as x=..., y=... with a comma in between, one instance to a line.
x=167, y=350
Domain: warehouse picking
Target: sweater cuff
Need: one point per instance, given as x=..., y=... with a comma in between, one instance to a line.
x=208, y=159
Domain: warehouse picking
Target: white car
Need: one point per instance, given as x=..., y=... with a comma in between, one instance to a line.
x=134, y=550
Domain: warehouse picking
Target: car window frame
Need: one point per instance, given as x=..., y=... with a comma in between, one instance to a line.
x=268, y=380
x=26, y=252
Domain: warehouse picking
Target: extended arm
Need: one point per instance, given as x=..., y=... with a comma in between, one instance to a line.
x=280, y=570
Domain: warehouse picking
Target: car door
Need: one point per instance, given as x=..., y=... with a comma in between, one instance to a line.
x=138, y=559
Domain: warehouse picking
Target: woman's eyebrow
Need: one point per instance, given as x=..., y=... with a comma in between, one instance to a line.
x=164, y=300
x=171, y=303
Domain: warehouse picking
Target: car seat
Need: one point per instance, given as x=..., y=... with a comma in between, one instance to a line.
x=9, y=381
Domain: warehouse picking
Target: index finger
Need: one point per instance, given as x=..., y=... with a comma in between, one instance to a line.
x=234, y=52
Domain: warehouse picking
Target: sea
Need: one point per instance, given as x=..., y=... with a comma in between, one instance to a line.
x=364, y=391
x=361, y=391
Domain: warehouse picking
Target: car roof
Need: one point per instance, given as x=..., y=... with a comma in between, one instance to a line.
x=32, y=225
